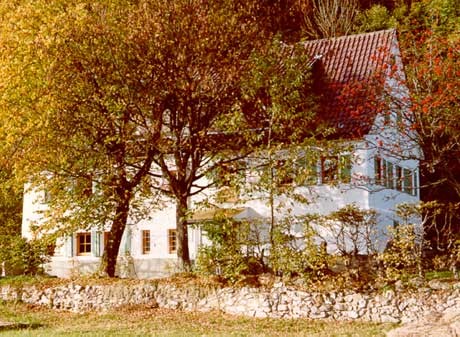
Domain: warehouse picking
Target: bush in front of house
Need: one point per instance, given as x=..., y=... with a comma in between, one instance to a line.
x=22, y=257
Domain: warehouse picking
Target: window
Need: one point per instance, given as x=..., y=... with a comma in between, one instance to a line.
x=47, y=197
x=389, y=175
x=329, y=169
x=306, y=171
x=414, y=190
x=345, y=168
x=145, y=242
x=378, y=170
x=399, y=178
x=83, y=243
x=172, y=241
x=283, y=172
x=395, y=177
x=106, y=238
x=407, y=176
x=336, y=169
x=384, y=172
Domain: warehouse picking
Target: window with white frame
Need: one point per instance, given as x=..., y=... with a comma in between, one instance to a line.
x=335, y=169
x=145, y=242
x=323, y=170
x=395, y=177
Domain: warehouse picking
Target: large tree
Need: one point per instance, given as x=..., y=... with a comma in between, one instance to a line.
x=82, y=85
x=431, y=51
x=105, y=96
x=210, y=116
x=430, y=46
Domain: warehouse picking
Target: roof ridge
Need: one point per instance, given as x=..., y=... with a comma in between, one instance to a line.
x=352, y=67
x=342, y=37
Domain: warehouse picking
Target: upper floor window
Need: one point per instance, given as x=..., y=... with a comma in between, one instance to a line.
x=283, y=172
x=47, y=196
x=395, y=177
x=335, y=169
x=309, y=168
x=323, y=170
x=407, y=178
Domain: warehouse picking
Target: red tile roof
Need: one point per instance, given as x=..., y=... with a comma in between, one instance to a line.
x=348, y=71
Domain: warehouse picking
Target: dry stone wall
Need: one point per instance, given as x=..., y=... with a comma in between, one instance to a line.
x=278, y=301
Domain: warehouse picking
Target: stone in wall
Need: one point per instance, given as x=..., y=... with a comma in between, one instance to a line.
x=278, y=301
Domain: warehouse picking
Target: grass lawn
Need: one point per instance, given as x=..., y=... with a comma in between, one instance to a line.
x=142, y=321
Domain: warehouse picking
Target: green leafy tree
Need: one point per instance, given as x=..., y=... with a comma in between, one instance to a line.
x=80, y=80
x=430, y=46
x=113, y=96
x=297, y=250
x=375, y=18
x=231, y=253
x=429, y=42
x=204, y=49
x=280, y=89
x=10, y=218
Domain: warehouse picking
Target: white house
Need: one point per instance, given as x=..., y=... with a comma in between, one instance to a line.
x=379, y=170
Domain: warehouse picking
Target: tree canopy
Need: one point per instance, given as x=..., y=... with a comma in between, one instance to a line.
x=108, y=97
x=98, y=101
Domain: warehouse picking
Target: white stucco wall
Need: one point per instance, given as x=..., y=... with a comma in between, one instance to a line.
x=33, y=205
x=323, y=199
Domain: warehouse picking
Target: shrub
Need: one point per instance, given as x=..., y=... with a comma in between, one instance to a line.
x=235, y=250
x=401, y=255
x=297, y=254
x=22, y=256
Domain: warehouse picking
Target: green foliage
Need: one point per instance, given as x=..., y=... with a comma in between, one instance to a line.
x=235, y=249
x=294, y=254
x=401, y=255
x=351, y=229
x=22, y=256
x=75, y=77
x=443, y=274
x=279, y=88
x=16, y=252
x=292, y=248
x=375, y=18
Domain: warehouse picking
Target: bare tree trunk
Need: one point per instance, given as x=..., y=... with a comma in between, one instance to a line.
x=183, y=255
x=109, y=258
